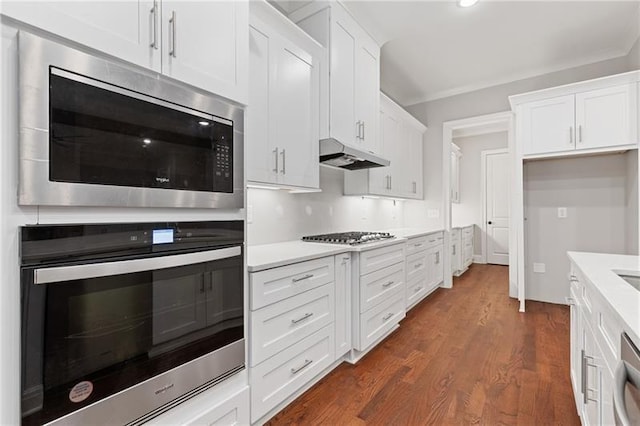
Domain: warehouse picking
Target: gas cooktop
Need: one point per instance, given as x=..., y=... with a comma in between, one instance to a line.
x=351, y=238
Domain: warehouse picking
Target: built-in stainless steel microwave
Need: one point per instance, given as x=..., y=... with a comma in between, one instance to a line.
x=96, y=132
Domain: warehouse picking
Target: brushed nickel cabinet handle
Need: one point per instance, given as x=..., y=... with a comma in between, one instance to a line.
x=302, y=318
x=364, y=126
x=283, y=153
x=275, y=151
x=386, y=317
x=154, y=24
x=571, y=135
x=387, y=284
x=305, y=277
x=172, y=24
x=417, y=289
x=580, y=133
x=307, y=362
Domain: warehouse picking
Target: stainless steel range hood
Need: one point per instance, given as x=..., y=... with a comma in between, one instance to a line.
x=336, y=154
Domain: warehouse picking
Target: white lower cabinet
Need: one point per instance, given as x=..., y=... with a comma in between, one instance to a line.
x=456, y=251
x=461, y=249
x=299, y=325
x=283, y=374
x=594, y=351
x=425, y=266
x=233, y=411
x=378, y=295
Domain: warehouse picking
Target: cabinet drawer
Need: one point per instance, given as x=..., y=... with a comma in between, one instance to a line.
x=278, y=377
x=435, y=239
x=233, y=411
x=415, y=245
x=417, y=266
x=455, y=233
x=373, y=260
x=380, y=319
x=273, y=285
x=282, y=324
x=416, y=290
x=378, y=286
x=607, y=332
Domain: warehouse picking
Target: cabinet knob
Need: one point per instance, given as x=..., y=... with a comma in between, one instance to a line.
x=490, y=223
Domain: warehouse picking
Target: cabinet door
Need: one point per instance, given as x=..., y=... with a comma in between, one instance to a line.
x=295, y=114
x=342, y=121
x=343, y=304
x=261, y=155
x=368, y=95
x=548, y=125
x=206, y=45
x=416, y=163
x=124, y=29
x=380, y=179
x=438, y=274
x=606, y=117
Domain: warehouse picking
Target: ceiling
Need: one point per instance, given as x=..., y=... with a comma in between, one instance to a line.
x=435, y=49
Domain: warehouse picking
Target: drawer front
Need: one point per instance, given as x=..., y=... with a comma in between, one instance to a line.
x=373, y=260
x=380, y=285
x=455, y=233
x=379, y=320
x=276, y=284
x=435, y=239
x=415, y=245
x=417, y=266
x=278, y=377
x=467, y=232
x=416, y=290
x=607, y=331
x=282, y=324
x=468, y=254
x=233, y=411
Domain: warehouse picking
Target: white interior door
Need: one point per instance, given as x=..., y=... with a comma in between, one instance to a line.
x=496, y=166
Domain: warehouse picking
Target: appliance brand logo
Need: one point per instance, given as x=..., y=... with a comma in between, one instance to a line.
x=163, y=389
x=162, y=179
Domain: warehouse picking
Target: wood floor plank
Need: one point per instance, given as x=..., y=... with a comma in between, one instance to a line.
x=462, y=356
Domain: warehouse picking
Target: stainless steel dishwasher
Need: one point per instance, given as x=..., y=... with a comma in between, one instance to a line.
x=626, y=393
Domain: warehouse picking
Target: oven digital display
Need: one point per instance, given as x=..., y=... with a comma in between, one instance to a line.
x=162, y=236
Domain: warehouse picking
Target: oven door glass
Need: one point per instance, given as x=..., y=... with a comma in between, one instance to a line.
x=106, y=135
x=109, y=333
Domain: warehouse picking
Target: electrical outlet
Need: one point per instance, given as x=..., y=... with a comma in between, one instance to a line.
x=539, y=268
x=562, y=212
x=433, y=213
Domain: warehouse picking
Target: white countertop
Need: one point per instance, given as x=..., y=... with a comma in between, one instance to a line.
x=624, y=299
x=461, y=226
x=412, y=232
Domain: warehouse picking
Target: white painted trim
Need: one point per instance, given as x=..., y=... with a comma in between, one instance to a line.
x=477, y=258
x=529, y=73
x=516, y=248
x=483, y=196
x=573, y=88
x=481, y=130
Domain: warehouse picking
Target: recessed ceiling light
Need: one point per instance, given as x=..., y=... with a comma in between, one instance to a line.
x=146, y=141
x=203, y=123
x=467, y=3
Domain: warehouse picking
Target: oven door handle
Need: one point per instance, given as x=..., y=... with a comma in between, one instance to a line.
x=624, y=373
x=105, y=269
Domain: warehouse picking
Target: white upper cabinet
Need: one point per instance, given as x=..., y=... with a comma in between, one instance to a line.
x=401, y=143
x=548, y=125
x=351, y=83
x=606, y=117
x=128, y=30
x=282, y=117
x=204, y=44
x=593, y=116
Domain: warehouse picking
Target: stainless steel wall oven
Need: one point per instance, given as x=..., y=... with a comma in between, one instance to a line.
x=122, y=321
x=95, y=132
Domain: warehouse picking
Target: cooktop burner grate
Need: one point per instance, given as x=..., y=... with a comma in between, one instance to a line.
x=351, y=238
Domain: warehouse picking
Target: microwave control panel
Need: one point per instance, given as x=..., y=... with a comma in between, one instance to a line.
x=223, y=158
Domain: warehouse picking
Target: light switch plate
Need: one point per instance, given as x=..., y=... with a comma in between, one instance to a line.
x=562, y=212
x=433, y=213
x=539, y=268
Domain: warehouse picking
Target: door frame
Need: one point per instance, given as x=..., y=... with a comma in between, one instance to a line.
x=490, y=123
x=483, y=196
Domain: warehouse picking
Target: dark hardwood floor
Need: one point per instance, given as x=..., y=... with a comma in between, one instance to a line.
x=462, y=356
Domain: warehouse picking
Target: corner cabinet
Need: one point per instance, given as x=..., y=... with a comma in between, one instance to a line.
x=202, y=44
x=282, y=117
x=402, y=145
x=350, y=78
x=595, y=116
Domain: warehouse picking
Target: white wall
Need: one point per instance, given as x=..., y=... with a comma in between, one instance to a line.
x=594, y=191
x=280, y=216
x=480, y=102
x=469, y=210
